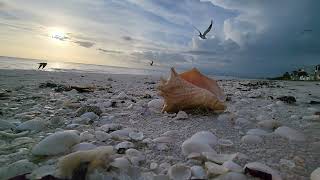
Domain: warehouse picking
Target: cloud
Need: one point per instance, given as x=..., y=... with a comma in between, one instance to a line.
x=109, y=51
x=127, y=38
x=85, y=44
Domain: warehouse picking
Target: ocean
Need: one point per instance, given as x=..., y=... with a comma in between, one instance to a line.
x=31, y=64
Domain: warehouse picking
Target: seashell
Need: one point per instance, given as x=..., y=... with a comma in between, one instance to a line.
x=179, y=172
x=225, y=142
x=98, y=157
x=262, y=171
x=190, y=90
x=232, y=166
x=219, y=158
x=215, y=169
x=136, y=136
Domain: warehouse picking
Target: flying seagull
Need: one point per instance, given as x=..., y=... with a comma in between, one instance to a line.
x=151, y=63
x=306, y=31
x=203, y=36
x=42, y=65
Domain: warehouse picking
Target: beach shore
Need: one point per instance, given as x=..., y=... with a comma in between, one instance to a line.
x=257, y=125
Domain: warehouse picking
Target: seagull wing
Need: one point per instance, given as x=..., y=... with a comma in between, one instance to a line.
x=197, y=29
x=209, y=28
x=44, y=65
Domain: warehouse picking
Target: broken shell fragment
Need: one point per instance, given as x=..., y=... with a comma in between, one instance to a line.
x=190, y=90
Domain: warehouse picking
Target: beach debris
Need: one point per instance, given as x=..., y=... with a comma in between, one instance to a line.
x=315, y=175
x=191, y=90
x=57, y=143
x=287, y=99
x=257, y=169
x=314, y=102
x=4, y=94
x=87, y=108
x=100, y=157
x=289, y=133
x=179, y=172
x=61, y=87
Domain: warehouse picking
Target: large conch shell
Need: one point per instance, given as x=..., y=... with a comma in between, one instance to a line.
x=190, y=90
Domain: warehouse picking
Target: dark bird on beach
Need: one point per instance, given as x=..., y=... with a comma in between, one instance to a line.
x=203, y=36
x=151, y=64
x=43, y=65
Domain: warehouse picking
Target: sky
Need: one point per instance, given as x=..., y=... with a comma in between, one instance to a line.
x=251, y=38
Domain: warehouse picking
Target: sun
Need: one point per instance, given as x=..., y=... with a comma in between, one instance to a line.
x=57, y=34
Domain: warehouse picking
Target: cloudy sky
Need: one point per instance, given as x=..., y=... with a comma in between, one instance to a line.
x=249, y=37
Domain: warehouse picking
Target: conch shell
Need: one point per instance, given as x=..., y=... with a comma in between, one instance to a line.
x=190, y=90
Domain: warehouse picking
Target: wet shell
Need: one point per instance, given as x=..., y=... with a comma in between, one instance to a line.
x=190, y=90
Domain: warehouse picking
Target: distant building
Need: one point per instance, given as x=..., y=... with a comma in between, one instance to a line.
x=317, y=72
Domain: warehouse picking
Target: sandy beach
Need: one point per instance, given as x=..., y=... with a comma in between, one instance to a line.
x=256, y=125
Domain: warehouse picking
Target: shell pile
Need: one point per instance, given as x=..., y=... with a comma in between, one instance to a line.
x=191, y=90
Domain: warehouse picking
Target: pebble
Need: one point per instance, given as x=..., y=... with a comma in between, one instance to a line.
x=122, y=96
x=32, y=125
x=153, y=166
x=81, y=120
x=123, y=146
x=263, y=168
x=57, y=143
x=289, y=133
x=136, y=136
x=181, y=116
x=257, y=132
x=163, y=140
x=232, y=166
x=232, y=176
x=102, y=136
x=86, y=136
x=17, y=168
x=269, y=124
x=287, y=163
x=198, y=172
x=241, y=122
x=215, y=169
x=205, y=137
x=190, y=146
x=156, y=105
x=4, y=125
x=121, y=163
x=251, y=139
x=90, y=115
x=315, y=175
x=179, y=172
x=84, y=146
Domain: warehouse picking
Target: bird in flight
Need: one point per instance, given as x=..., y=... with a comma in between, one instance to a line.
x=306, y=31
x=203, y=36
x=151, y=64
x=43, y=65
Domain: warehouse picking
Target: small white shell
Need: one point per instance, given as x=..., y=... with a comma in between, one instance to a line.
x=179, y=172
x=136, y=136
